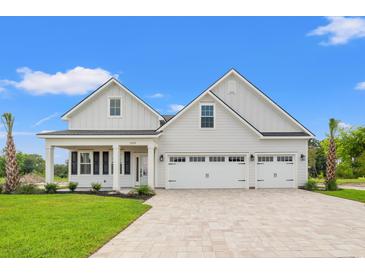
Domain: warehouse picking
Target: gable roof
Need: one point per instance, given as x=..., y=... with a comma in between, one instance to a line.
x=306, y=133
x=100, y=89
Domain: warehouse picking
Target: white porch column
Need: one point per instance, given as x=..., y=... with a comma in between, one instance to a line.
x=49, y=164
x=116, y=167
x=151, y=166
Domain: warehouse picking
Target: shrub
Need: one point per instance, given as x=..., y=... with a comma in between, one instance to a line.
x=142, y=190
x=95, y=187
x=27, y=189
x=331, y=185
x=311, y=185
x=51, y=187
x=72, y=186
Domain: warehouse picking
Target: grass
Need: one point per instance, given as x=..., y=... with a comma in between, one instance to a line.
x=62, y=225
x=359, y=181
x=350, y=194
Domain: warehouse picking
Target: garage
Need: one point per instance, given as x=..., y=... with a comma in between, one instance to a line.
x=275, y=171
x=207, y=171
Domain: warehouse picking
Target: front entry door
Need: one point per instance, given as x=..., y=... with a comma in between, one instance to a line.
x=141, y=169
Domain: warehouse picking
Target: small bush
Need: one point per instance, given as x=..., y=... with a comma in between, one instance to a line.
x=331, y=185
x=311, y=185
x=72, y=186
x=51, y=187
x=95, y=187
x=28, y=189
x=142, y=190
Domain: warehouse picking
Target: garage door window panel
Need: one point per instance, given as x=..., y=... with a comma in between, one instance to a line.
x=177, y=159
x=197, y=159
x=217, y=159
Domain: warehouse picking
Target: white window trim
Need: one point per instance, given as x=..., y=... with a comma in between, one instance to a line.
x=121, y=107
x=91, y=154
x=200, y=115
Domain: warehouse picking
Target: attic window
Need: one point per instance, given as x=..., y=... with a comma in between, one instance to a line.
x=115, y=107
x=207, y=116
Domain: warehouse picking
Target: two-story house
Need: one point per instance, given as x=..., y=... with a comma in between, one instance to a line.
x=231, y=136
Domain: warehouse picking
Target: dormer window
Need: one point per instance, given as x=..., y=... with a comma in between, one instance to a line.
x=206, y=115
x=115, y=106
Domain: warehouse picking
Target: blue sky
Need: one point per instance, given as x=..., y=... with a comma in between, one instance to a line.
x=311, y=66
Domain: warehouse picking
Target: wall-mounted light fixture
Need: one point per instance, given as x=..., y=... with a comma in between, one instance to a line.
x=252, y=157
x=302, y=157
x=161, y=158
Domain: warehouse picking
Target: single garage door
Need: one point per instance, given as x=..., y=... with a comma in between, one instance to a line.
x=275, y=171
x=212, y=171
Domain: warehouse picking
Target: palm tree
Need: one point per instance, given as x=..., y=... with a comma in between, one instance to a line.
x=12, y=172
x=331, y=156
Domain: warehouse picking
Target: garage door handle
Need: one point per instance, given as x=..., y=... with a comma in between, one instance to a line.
x=290, y=180
x=172, y=181
x=290, y=163
x=260, y=180
x=260, y=163
x=171, y=164
x=241, y=163
x=241, y=180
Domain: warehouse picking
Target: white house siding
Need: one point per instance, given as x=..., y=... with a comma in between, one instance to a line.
x=244, y=99
x=230, y=135
x=94, y=114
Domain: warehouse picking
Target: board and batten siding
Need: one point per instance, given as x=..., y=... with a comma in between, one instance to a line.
x=228, y=136
x=244, y=99
x=94, y=114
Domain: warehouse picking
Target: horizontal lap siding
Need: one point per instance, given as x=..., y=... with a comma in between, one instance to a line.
x=230, y=135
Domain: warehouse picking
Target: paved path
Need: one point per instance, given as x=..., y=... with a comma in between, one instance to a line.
x=243, y=223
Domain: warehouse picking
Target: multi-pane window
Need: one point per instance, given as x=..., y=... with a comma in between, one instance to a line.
x=217, y=158
x=207, y=116
x=236, y=158
x=265, y=158
x=85, y=163
x=114, y=107
x=197, y=159
x=285, y=158
x=176, y=159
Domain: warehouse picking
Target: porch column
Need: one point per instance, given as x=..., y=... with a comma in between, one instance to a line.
x=151, y=166
x=49, y=164
x=116, y=166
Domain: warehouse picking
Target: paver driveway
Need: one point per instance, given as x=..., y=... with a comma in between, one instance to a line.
x=243, y=223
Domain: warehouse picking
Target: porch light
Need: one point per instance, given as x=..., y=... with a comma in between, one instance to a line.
x=161, y=158
x=252, y=157
x=302, y=157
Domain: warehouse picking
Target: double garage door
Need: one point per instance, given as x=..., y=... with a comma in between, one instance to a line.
x=230, y=171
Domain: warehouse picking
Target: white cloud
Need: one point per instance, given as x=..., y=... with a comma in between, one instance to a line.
x=45, y=119
x=76, y=81
x=2, y=89
x=341, y=30
x=156, y=95
x=344, y=125
x=175, y=107
x=360, y=86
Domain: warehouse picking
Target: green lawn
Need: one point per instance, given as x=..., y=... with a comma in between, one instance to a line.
x=358, y=181
x=350, y=194
x=62, y=225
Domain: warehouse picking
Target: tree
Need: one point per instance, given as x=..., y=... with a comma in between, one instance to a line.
x=61, y=170
x=331, y=156
x=11, y=169
x=316, y=159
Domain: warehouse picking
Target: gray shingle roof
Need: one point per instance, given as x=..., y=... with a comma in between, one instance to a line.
x=101, y=132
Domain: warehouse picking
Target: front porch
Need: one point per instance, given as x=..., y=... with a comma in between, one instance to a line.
x=114, y=163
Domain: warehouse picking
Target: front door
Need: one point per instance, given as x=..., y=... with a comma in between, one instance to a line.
x=141, y=169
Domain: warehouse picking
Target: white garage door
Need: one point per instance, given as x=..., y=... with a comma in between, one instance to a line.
x=275, y=171
x=213, y=171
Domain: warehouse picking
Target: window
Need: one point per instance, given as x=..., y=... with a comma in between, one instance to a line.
x=127, y=163
x=176, y=159
x=197, y=159
x=85, y=163
x=217, y=159
x=265, y=158
x=207, y=116
x=236, y=158
x=285, y=158
x=115, y=107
